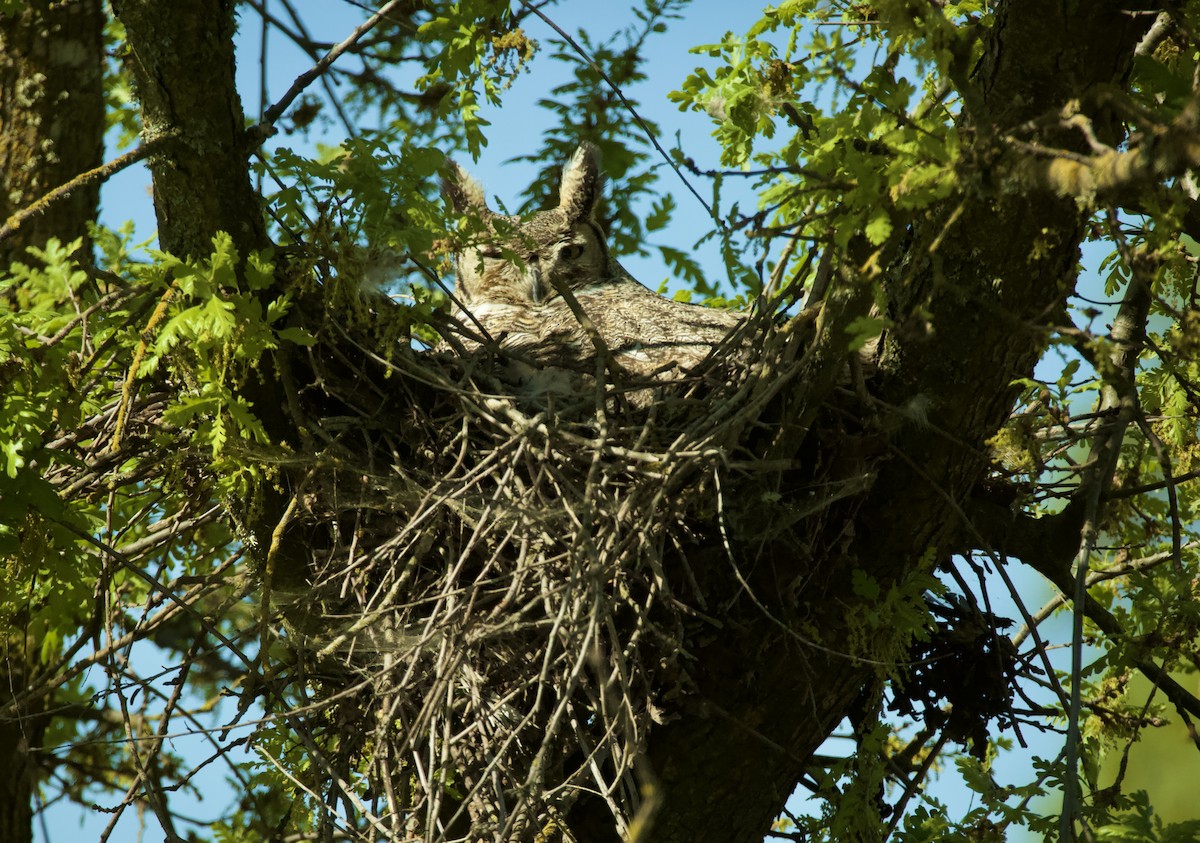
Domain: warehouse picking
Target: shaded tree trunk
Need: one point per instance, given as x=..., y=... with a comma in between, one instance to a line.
x=51, y=117
x=201, y=182
x=200, y=169
x=51, y=130
x=973, y=271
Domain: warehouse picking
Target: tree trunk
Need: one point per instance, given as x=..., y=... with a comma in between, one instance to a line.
x=200, y=170
x=51, y=117
x=201, y=182
x=996, y=280
x=51, y=130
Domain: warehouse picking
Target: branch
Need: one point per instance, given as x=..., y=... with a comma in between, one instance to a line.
x=1047, y=542
x=1112, y=175
x=1143, y=564
x=1111, y=627
x=97, y=174
x=1048, y=545
x=1023, y=533
x=1119, y=396
x=1162, y=28
x=266, y=127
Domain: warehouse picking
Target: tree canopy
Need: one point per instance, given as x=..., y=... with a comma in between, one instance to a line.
x=262, y=486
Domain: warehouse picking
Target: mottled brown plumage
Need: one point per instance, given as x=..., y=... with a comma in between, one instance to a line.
x=547, y=288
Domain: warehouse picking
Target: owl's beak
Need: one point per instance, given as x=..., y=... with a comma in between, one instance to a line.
x=537, y=285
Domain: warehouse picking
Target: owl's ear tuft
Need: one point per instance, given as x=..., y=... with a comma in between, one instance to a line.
x=464, y=194
x=582, y=184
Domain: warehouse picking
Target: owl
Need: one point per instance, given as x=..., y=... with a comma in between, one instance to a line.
x=546, y=287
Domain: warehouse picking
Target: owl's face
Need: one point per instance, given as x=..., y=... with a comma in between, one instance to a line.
x=522, y=262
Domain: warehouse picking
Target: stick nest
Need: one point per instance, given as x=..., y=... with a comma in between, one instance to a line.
x=499, y=599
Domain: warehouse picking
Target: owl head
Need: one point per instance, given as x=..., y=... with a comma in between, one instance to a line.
x=527, y=260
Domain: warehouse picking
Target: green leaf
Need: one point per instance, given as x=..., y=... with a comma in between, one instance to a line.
x=864, y=329
x=299, y=336
x=865, y=585
x=879, y=228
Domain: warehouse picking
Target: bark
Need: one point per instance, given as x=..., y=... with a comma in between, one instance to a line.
x=51, y=117
x=993, y=276
x=201, y=183
x=51, y=129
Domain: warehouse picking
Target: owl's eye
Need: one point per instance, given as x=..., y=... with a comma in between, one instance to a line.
x=571, y=251
x=490, y=251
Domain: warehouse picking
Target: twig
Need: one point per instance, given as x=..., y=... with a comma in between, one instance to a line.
x=101, y=173
x=629, y=107
x=265, y=127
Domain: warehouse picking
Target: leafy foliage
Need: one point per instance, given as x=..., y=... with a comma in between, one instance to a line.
x=138, y=456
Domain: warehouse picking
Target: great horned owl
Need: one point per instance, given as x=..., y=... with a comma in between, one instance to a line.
x=546, y=286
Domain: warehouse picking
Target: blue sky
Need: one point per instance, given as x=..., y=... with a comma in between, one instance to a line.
x=516, y=127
